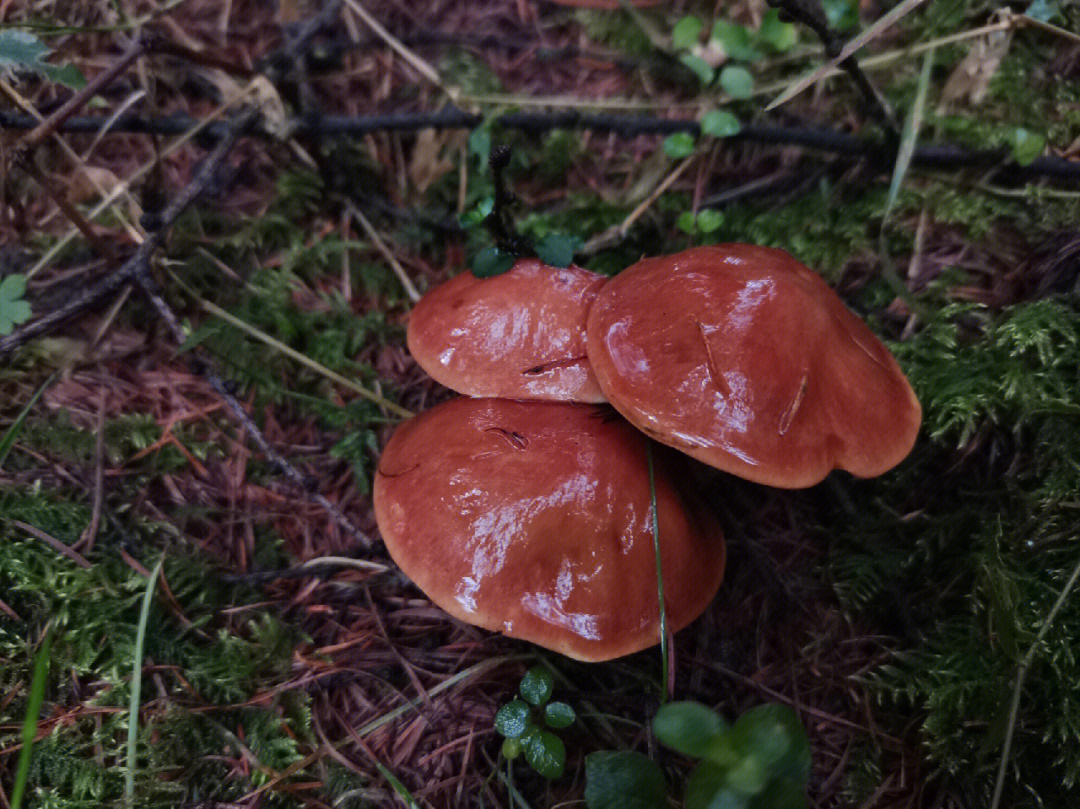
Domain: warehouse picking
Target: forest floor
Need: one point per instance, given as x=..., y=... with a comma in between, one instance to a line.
x=921, y=624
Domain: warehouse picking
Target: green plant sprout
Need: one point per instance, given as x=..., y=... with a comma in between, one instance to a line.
x=517, y=723
x=762, y=761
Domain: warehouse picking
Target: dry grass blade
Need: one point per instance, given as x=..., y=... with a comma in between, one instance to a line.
x=906, y=7
x=380, y=245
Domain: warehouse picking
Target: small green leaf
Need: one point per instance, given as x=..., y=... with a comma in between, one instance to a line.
x=559, y=715
x=688, y=727
x=735, y=40
x=679, y=145
x=702, y=69
x=748, y=776
x=512, y=719
x=491, y=261
x=773, y=734
x=736, y=81
x=720, y=124
x=687, y=222
x=781, y=793
x=557, y=249
x=709, y=221
x=23, y=50
x=1026, y=145
x=480, y=143
x=685, y=33
x=13, y=309
x=779, y=36
x=511, y=748
x=623, y=780
x=1043, y=10
x=546, y=754
x=479, y=213
x=706, y=788
x=842, y=14
x=536, y=685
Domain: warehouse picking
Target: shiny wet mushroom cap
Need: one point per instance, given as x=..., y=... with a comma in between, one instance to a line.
x=745, y=359
x=519, y=335
x=533, y=519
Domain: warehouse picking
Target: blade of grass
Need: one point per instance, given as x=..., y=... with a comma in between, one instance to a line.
x=30, y=723
x=399, y=788
x=1021, y=675
x=659, y=572
x=908, y=139
x=136, y=681
x=8, y=441
x=870, y=33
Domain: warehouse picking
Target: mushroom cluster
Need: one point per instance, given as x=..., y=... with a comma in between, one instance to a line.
x=526, y=508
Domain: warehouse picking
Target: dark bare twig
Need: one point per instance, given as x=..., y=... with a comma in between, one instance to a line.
x=499, y=222
x=811, y=14
x=941, y=155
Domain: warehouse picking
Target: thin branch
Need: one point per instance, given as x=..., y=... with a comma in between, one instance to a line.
x=943, y=155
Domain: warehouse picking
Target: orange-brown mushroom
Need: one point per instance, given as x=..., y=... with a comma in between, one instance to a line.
x=745, y=359
x=534, y=519
x=519, y=335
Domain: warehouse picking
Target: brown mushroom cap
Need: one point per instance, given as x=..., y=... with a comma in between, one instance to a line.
x=745, y=359
x=533, y=519
x=519, y=335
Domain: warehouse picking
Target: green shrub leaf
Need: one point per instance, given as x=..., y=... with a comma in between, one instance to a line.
x=512, y=719
x=559, y=715
x=720, y=124
x=546, y=754
x=491, y=261
x=22, y=50
x=679, y=145
x=478, y=214
x=689, y=727
x=781, y=793
x=623, y=780
x=511, y=748
x=536, y=685
x=709, y=221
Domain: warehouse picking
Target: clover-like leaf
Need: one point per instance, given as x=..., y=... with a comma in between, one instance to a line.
x=679, y=145
x=735, y=40
x=478, y=213
x=689, y=727
x=512, y=719
x=781, y=793
x=842, y=14
x=685, y=33
x=736, y=81
x=13, y=309
x=709, y=220
x=557, y=249
x=1026, y=145
x=511, y=748
x=773, y=734
x=702, y=69
x=687, y=222
x=546, y=754
x=779, y=36
x=621, y=779
x=491, y=261
x=23, y=50
x=707, y=788
x=536, y=685
x=720, y=124
x=559, y=715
